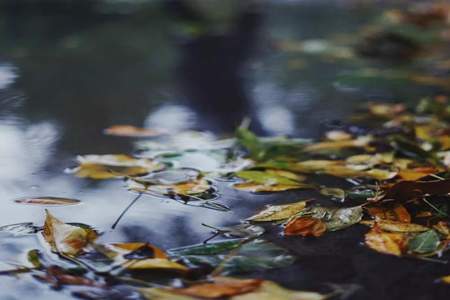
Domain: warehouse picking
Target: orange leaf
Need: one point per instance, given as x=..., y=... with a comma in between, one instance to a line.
x=132, y=131
x=305, y=226
x=397, y=213
x=220, y=287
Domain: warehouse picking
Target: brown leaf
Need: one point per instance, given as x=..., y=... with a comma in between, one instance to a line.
x=305, y=226
x=406, y=190
x=220, y=287
x=47, y=201
x=394, y=226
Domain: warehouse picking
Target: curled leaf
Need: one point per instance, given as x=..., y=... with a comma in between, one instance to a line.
x=425, y=242
x=65, y=238
x=395, y=226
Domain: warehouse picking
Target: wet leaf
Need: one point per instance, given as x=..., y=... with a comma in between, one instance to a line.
x=34, y=258
x=139, y=256
x=278, y=212
x=48, y=201
x=386, y=242
x=259, y=188
x=405, y=190
x=335, y=193
x=396, y=213
x=132, y=131
x=344, y=217
x=220, y=287
x=112, y=166
x=305, y=226
x=335, y=218
x=395, y=226
x=360, y=142
x=425, y=242
x=64, y=238
x=271, y=291
x=57, y=276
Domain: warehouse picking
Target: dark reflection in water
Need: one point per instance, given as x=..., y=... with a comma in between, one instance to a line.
x=68, y=71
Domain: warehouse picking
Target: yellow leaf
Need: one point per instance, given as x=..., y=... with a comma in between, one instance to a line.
x=64, y=238
x=153, y=263
x=395, y=226
x=112, y=166
x=272, y=291
x=386, y=242
x=278, y=212
x=359, y=142
x=256, y=187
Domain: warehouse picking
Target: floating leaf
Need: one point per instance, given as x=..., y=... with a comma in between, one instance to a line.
x=64, y=238
x=270, y=181
x=259, y=188
x=139, y=256
x=132, y=131
x=360, y=142
x=220, y=287
x=405, y=190
x=49, y=201
x=305, y=226
x=425, y=242
x=386, y=242
x=344, y=217
x=112, y=166
x=278, y=212
x=272, y=291
x=395, y=226
x=396, y=213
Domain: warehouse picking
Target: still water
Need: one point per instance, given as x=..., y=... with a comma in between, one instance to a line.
x=66, y=73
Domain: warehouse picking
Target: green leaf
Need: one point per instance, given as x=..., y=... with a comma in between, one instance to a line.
x=266, y=178
x=424, y=242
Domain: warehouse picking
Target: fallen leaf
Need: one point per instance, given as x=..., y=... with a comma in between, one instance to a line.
x=278, y=212
x=49, y=201
x=386, y=242
x=220, y=287
x=64, y=238
x=406, y=190
x=113, y=166
x=257, y=188
x=396, y=213
x=132, y=131
x=271, y=291
x=425, y=242
x=395, y=226
x=305, y=226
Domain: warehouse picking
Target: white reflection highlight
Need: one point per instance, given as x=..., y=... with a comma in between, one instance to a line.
x=24, y=151
x=7, y=75
x=171, y=117
x=276, y=120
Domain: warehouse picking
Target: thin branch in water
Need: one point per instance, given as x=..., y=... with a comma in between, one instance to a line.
x=125, y=210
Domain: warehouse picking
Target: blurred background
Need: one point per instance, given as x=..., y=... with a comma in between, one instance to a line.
x=69, y=69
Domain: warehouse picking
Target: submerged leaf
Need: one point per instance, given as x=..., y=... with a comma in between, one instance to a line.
x=278, y=212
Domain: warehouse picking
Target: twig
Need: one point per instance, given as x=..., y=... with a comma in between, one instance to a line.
x=125, y=210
